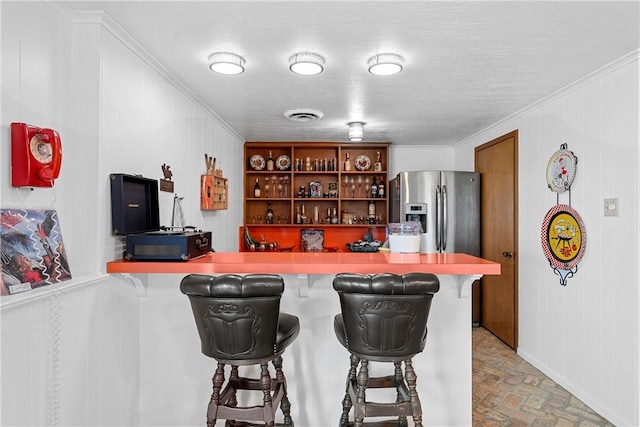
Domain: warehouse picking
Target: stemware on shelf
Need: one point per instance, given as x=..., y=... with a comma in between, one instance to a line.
x=274, y=180
x=345, y=184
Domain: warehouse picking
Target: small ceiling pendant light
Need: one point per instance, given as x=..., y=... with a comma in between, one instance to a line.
x=306, y=63
x=385, y=64
x=226, y=63
x=356, y=131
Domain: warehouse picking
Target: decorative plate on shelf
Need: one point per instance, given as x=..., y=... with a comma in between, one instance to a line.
x=257, y=162
x=561, y=170
x=283, y=162
x=363, y=162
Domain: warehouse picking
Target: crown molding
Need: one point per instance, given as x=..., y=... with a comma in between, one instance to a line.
x=631, y=57
x=103, y=19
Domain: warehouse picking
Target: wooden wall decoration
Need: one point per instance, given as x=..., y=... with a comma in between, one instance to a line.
x=166, y=184
x=214, y=194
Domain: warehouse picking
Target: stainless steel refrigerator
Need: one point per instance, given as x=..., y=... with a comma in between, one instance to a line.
x=446, y=203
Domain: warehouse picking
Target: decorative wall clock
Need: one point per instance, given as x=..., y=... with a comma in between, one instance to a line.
x=564, y=240
x=561, y=170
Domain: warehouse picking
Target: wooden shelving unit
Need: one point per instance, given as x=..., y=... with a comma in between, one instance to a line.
x=313, y=166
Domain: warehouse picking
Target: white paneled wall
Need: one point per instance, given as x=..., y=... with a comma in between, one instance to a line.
x=416, y=158
x=145, y=121
x=117, y=111
x=70, y=352
x=585, y=335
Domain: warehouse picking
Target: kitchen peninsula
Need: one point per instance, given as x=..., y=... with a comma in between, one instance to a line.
x=316, y=365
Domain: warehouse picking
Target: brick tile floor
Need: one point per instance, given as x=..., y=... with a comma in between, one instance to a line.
x=508, y=391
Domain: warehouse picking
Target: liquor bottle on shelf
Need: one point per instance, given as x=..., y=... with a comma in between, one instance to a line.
x=377, y=166
x=327, y=220
x=298, y=215
x=347, y=162
x=374, y=188
x=303, y=215
x=316, y=214
x=371, y=216
x=334, y=216
x=270, y=162
x=381, y=188
x=256, y=189
x=269, y=214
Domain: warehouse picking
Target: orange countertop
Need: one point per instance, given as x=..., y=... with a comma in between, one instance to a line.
x=314, y=263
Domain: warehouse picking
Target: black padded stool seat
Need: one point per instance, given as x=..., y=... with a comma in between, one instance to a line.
x=383, y=319
x=239, y=322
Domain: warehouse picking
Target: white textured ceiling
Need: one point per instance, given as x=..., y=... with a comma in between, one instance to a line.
x=468, y=64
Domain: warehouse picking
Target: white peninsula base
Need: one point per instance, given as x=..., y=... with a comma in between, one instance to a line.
x=175, y=377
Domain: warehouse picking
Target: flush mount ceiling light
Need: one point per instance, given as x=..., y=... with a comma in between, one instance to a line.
x=226, y=63
x=306, y=63
x=385, y=64
x=356, y=131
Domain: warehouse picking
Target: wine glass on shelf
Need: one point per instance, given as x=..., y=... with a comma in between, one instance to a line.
x=285, y=184
x=345, y=184
x=274, y=180
x=359, y=182
x=353, y=188
x=366, y=186
x=280, y=185
x=266, y=186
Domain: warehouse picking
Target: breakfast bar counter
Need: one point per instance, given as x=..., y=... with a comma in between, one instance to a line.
x=314, y=263
x=172, y=369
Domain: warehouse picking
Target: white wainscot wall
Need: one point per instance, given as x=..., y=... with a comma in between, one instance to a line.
x=173, y=369
x=584, y=335
x=70, y=355
x=117, y=111
x=420, y=157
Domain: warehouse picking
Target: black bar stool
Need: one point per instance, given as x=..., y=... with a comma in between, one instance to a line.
x=383, y=319
x=239, y=322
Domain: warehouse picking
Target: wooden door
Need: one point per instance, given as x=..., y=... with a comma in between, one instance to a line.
x=497, y=161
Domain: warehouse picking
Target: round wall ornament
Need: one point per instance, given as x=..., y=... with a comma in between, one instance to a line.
x=564, y=240
x=561, y=170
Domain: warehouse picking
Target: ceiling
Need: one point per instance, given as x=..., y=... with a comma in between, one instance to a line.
x=468, y=64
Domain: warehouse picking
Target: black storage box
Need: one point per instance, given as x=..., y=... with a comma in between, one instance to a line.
x=135, y=214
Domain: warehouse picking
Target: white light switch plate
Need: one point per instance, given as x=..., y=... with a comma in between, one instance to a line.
x=611, y=207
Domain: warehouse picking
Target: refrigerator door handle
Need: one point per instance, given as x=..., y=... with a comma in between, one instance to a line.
x=438, y=218
x=445, y=215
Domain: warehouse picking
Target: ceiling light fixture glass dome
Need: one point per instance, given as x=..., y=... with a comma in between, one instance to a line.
x=226, y=63
x=385, y=64
x=306, y=63
x=356, y=131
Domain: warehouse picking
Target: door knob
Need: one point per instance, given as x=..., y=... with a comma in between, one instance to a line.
x=507, y=254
